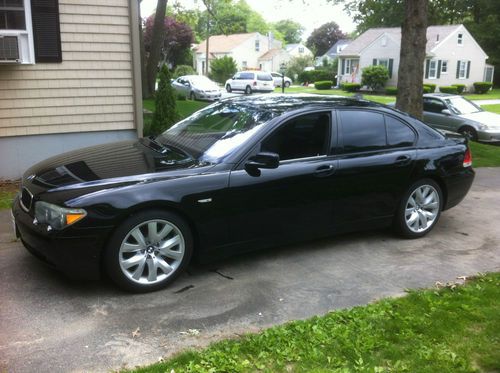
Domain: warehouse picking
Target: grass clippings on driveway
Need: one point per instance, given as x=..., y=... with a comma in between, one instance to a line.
x=454, y=329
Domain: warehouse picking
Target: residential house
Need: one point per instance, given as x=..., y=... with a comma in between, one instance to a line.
x=332, y=53
x=69, y=77
x=245, y=49
x=298, y=50
x=273, y=59
x=452, y=56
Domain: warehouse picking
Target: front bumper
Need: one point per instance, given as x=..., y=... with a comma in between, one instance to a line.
x=488, y=136
x=208, y=96
x=75, y=252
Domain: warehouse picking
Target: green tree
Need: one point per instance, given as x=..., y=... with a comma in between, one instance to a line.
x=221, y=69
x=374, y=77
x=297, y=65
x=291, y=30
x=322, y=38
x=181, y=70
x=165, y=104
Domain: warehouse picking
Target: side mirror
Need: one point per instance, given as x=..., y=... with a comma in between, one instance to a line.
x=262, y=160
x=446, y=112
x=187, y=84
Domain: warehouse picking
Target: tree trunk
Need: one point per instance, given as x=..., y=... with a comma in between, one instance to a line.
x=412, y=56
x=156, y=46
x=144, y=76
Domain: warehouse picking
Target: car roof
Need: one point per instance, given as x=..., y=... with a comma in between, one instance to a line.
x=440, y=95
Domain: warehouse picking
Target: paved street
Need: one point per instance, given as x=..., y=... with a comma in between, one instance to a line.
x=51, y=324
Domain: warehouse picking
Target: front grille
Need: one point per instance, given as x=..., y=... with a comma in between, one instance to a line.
x=26, y=199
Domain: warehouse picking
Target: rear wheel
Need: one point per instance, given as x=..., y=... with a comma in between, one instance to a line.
x=468, y=132
x=192, y=96
x=419, y=209
x=148, y=251
x=287, y=84
x=228, y=88
x=248, y=90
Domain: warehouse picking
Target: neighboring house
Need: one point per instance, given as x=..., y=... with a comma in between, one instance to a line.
x=245, y=49
x=272, y=60
x=69, y=77
x=452, y=56
x=298, y=50
x=333, y=52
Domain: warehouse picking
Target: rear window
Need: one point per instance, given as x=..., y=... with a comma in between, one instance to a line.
x=245, y=76
x=265, y=77
x=362, y=130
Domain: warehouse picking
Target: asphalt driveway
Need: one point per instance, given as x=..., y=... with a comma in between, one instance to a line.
x=51, y=324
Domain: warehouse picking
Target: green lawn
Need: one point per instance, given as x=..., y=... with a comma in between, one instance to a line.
x=493, y=108
x=455, y=329
x=493, y=94
x=484, y=155
x=185, y=108
x=6, y=198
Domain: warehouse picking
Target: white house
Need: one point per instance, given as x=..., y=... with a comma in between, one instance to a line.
x=452, y=56
x=69, y=77
x=332, y=53
x=298, y=50
x=245, y=49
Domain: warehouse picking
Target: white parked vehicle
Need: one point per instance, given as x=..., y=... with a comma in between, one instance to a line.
x=250, y=81
x=278, y=80
x=197, y=87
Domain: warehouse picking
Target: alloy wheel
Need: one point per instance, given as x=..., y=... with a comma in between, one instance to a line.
x=151, y=252
x=422, y=208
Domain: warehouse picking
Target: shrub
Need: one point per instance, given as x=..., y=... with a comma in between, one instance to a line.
x=314, y=76
x=374, y=77
x=221, y=69
x=428, y=89
x=181, y=97
x=431, y=87
x=297, y=65
x=460, y=87
x=323, y=84
x=351, y=87
x=482, y=87
x=448, y=89
x=391, y=90
x=183, y=70
x=165, y=105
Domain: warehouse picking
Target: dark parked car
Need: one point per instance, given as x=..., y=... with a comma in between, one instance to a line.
x=241, y=174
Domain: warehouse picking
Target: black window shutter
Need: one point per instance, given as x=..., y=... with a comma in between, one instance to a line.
x=343, y=66
x=439, y=69
x=427, y=63
x=468, y=69
x=458, y=69
x=391, y=63
x=374, y=62
x=46, y=30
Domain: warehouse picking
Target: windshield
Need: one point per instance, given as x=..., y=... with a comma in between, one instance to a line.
x=211, y=134
x=460, y=105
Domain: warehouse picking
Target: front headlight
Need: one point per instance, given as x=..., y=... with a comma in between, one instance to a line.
x=483, y=127
x=57, y=217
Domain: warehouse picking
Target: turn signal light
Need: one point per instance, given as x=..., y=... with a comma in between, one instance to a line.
x=73, y=218
x=467, y=158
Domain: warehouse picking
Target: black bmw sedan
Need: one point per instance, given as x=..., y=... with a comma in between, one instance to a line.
x=241, y=174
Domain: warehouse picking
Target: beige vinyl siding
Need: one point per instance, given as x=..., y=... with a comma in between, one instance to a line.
x=91, y=90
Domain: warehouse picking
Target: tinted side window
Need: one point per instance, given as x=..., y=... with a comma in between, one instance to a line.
x=301, y=137
x=246, y=76
x=398, y=133
x=433, y=105
x=265, y=77
x=362, y=130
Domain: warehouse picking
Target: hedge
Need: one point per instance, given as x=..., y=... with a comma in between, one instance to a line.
x=428, y=89
x=431, y=86
x=390, y=90
x=482, y=87
x=448, y=89
x=460, y=87
x=324, y=84
x=351, y=87
x=315, y=76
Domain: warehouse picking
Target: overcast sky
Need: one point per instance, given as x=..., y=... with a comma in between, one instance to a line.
x=310, y=13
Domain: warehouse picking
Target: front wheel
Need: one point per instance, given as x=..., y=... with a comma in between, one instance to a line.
x=192, y=96
x=419, y=209
x=468, y=132
x=228, y=88
x=148, y=251
x=287, y=84
x=248, y=90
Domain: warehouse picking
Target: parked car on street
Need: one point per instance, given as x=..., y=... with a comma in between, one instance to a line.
x=241, y=174
x=250, y=82
x=458, y=114
x=278, y=80
x=197, y=87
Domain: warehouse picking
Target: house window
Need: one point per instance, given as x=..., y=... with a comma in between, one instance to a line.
x=203, y=67
x=12, y=15
x=460, y=39
x=347, y=66
x=462, y=70
x=432, y=69
x=383, y=62
x=301, y=49
x=244, y=64
x=257, y=45
x=444, y=67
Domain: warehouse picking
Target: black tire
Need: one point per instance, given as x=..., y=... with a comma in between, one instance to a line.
x=228, y=88
x=400, y=220
x=287, y=84
x=192, y=96
x=112, y=255
x=248, y=90
x=468, y=132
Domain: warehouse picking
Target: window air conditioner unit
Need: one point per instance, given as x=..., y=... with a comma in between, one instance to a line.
x=9, y=49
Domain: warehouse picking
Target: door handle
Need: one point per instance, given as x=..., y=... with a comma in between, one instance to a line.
x=403, y=160
x=325, y=170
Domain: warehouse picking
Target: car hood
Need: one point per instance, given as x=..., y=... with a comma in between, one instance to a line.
x=118, y=162
x=207, y=87
x=492, y=120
